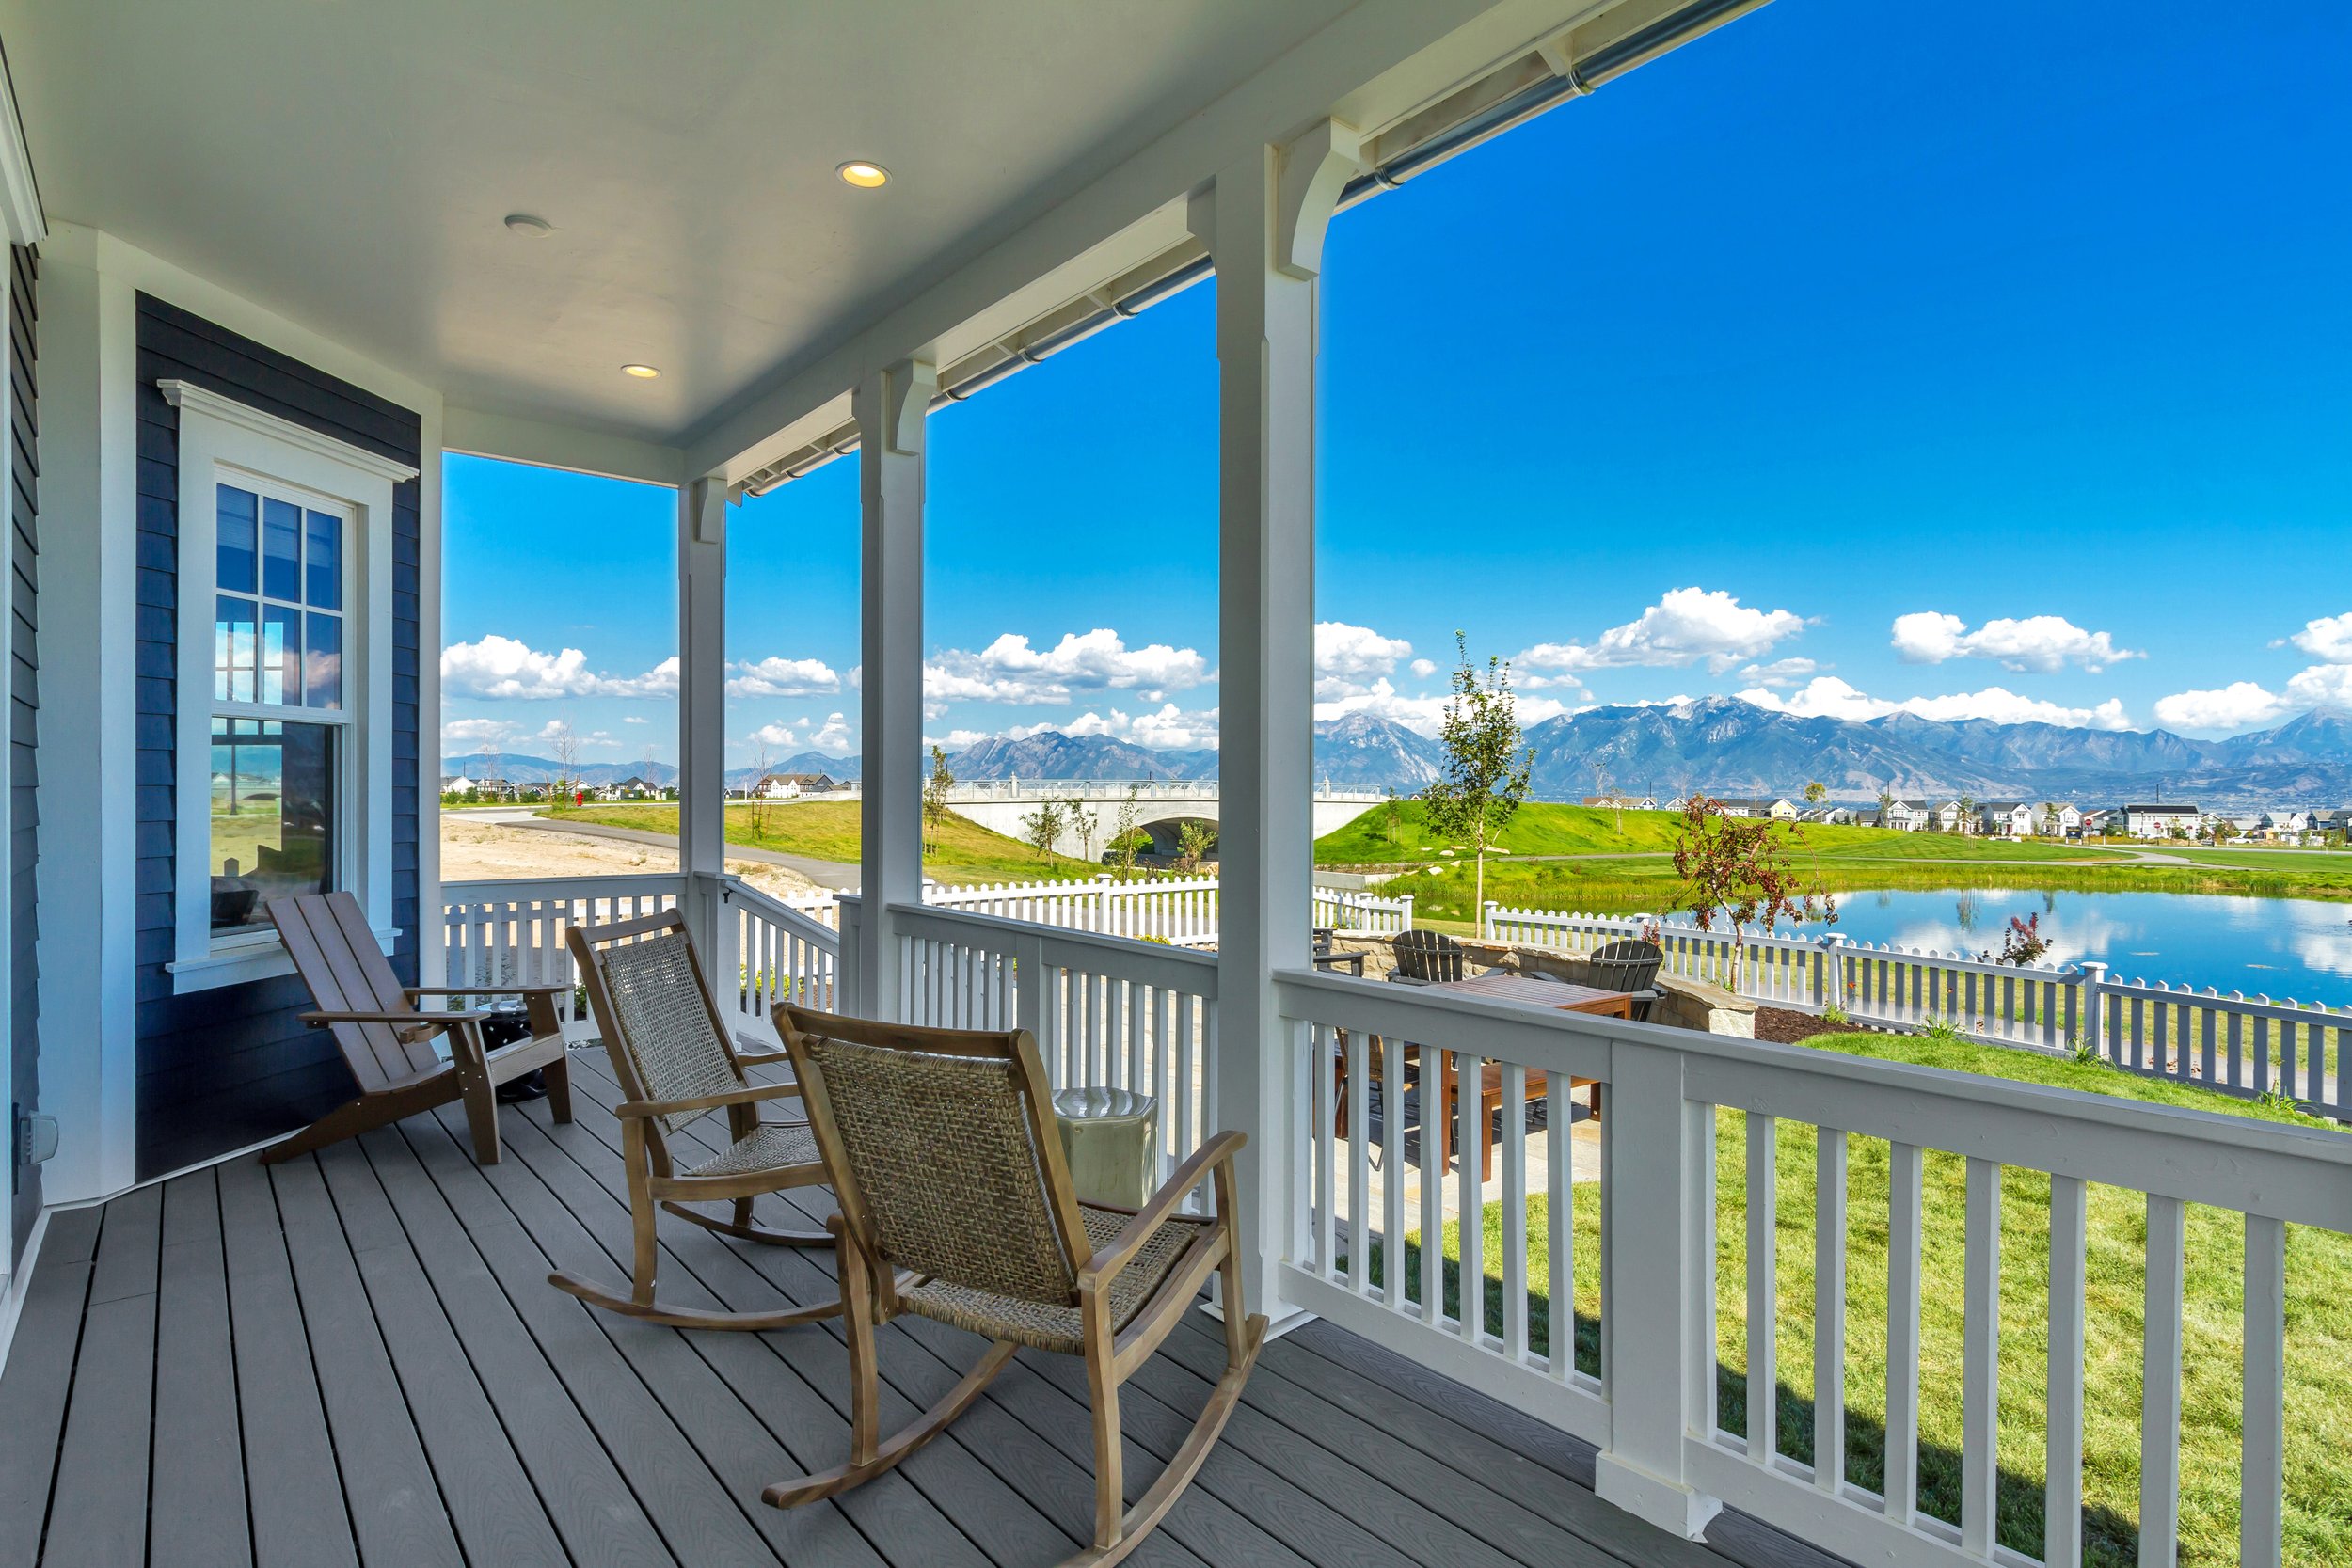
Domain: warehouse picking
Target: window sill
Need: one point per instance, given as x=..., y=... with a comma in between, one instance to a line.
x=243, y=960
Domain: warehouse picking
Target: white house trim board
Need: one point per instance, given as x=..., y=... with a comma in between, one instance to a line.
x=222, y=439
x=88, y=875
x=189, y=398
x=20, y=192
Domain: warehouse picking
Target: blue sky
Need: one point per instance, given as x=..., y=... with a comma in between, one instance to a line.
x=1842, y=359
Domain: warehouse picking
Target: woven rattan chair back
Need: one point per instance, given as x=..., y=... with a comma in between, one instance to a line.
x=1431, y=956
x=661, y=1024
x=943, y=1156
x=1626, y=965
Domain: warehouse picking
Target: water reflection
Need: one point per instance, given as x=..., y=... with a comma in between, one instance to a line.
x=2278, y=948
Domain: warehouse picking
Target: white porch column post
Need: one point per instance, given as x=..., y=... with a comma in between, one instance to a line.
x=702, y=706
x=890, y=406
x=1264, y=226
x=1658, y=1335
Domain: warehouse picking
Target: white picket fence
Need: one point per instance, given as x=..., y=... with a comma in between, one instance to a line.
x=2247, y=1045
x=513, y=932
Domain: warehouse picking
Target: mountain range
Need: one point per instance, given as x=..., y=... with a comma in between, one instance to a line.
x=1718, y=744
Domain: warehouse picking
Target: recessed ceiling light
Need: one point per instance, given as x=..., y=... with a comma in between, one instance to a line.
x=865, y=176
x=528, y=227
x=643, y=372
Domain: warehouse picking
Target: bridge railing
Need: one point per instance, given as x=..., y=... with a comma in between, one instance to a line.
x=1114, y=789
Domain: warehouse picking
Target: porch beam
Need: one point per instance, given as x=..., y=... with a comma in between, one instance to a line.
x=1262, y=223
x=702, y=795
x=890, y=406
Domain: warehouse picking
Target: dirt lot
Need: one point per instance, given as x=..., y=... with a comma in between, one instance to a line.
x=485, y=851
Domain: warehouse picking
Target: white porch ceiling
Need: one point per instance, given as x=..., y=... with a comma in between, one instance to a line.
x=348, y=163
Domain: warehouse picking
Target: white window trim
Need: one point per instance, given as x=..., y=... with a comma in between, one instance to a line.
x=220, y=437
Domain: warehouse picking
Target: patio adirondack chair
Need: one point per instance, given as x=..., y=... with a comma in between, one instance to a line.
x=956, y=1205
x=1631, y=966
x=1427, y=957
x=675, y=1063
x=387, y=1040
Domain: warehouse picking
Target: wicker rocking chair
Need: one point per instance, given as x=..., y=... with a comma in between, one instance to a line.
x=675, y=1064
x=956, y=1205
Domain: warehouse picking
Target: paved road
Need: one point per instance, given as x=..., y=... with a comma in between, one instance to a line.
x=829, y=874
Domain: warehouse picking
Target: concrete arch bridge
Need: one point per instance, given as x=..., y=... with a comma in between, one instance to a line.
x=1162, y=806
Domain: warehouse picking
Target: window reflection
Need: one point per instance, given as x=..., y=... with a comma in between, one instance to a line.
x=273, y=830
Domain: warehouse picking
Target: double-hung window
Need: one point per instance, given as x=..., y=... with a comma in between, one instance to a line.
x=283, y=706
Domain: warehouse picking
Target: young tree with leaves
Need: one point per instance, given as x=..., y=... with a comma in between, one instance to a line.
x=1194, y=840
x=1082, y=819
x=1041, y=829
x=1485, y=777
x=1736, y=870
x=1127, y=840
x=1815, y=792
x=935, y=790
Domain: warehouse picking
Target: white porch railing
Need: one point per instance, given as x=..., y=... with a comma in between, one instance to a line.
x=1629, y=1262
x=2244, y=1045
x=1107, y=1012
x=788, y=954
x=513, y=932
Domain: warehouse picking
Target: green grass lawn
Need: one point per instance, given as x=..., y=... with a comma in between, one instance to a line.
x=2319, y=1324
x=830, y=831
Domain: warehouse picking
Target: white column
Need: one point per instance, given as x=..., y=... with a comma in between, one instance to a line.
x=890, y=406
x=701, y=710
x=1657, y=1242
x=87, y=877
x=1264, y=226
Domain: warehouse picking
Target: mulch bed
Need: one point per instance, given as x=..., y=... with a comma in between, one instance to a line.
x=1782, y=1026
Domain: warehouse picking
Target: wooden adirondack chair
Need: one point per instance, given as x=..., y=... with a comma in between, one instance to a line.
x=956, y=1205
x=387, y=1038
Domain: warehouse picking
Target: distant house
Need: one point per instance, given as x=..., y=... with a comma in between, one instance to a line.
x=1623, y=803
x=2067, y=823
x=1680, y=803
x=2161, y=821
x=1947, y=818
x=457, y=783
x=2008, y=818
x=1904, y=817
x=1779, y=810
x=791, y=786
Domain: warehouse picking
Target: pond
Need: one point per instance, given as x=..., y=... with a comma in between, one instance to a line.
x=2278, y=948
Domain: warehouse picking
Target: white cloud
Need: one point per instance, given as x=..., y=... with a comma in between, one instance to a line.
x=834, y=736
x=2322, y=686
x=1423, y=668
x=1171, y=727
x=1683, y=627
x=1828, y=697
x=1348, y=658
x=775, y=735
x=501, y=666
x=2041, y=643
x=474, y=733
x=2229, y=707
x=1780, y=673
x=636, y=718
x=782, y=677
x=1009, y=671
x=2327, y=639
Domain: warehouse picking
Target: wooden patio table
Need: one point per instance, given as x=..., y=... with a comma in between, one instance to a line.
x=1499, y=985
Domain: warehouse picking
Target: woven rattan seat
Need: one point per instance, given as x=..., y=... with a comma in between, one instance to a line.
x=957, y=1206
x=1042, y=1326
x=677, y=1062
x=770, y=1145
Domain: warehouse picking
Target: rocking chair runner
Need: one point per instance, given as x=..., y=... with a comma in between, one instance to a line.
x=674, y=1062
x=956, y=1205
x=387, y=1038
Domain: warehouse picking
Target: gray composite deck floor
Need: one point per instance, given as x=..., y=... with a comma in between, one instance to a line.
x=357, y=1358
